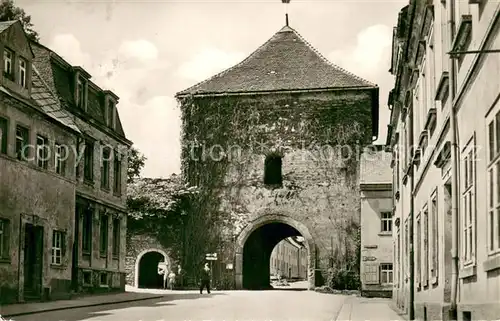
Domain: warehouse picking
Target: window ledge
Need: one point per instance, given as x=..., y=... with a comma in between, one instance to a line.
x=5, y=261
x=117, y=194
x=492, y=263
x=58, y=266
x=467, y=271
x=103, y=286
x=103, y=256
x=115, y=257
x=105, y=189
x=385, y=234
x=434, y=280
x=88, y=182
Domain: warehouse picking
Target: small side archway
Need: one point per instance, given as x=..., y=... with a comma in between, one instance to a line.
x=263, y=225
x=157, y=255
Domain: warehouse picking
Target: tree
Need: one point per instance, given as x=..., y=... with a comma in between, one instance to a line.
x=158, y=207
x=9, y=12
x=136, y=162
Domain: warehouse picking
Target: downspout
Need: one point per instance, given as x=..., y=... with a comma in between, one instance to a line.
x=450, y=4
x=411, y=219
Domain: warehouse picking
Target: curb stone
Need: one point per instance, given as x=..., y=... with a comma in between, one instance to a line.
x=2, y=317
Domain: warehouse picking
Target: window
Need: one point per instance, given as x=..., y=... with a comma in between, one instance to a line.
x=8, y=57
x=4, y=134
x=88, y=166
x=22, y=141
x=22, y=72
x=386, y=273
x=468, y=213
x=105, y=159
x=87, y=278
x=418, y=248
x=386, y=220
x=434, y=236
x=103, y=280
x=42, y=151
x=80, y=93
x=111, y=113
x=371, y=274
x=272, y=170
x=103, y=244
x=87, y=232
x=57, y=247
x=493, y=188
x=117, y=174
x=60, y=159
x=116, y=237
x=398, y=255
x=425, y=273
x=4, y=239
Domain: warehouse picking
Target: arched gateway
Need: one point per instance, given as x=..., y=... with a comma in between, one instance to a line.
x=281, y=132
x=146, y=268
x=256, y=243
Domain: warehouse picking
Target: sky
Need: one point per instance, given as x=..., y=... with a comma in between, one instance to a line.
x=146, y=51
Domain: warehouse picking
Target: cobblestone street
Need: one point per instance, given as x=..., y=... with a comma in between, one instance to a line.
x=277, y=305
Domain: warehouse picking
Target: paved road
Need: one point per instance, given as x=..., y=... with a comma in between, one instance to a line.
x=275, y=305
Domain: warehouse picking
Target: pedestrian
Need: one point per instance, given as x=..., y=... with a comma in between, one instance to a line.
x=205, y=279
x=171, y=279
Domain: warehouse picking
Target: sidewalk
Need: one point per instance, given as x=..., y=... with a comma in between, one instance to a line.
x=131, y=295
x=373, y=309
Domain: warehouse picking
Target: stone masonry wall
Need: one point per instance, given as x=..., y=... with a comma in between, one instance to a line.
x=319, y=189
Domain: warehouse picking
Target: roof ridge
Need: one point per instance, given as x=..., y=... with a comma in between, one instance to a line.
x=230, y=68
x=327, y=60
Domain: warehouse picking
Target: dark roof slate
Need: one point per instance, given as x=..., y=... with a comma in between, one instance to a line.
x=59, y=80
x=285, y=62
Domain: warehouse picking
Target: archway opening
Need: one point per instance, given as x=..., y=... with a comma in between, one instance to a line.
x=261, y=263
x=148, y=271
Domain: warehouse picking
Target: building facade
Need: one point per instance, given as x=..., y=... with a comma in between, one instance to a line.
x=443, y=134
x=289, y=260
x=44, y=163
x=278, y=117
x=376, y=266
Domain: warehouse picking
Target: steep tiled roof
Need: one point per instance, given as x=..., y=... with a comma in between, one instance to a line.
x=48, y=102
x=285, y=62
x=59, y=80
x=375, y=167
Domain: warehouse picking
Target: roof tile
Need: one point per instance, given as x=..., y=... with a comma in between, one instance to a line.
x=285, y=62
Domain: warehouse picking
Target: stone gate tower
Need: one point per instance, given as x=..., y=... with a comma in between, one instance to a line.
x=275, y=143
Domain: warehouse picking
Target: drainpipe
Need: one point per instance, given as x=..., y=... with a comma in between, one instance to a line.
x=411, y=219
x=450, y=5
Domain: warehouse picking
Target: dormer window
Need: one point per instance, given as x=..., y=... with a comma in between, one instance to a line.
x=8, y=57
x=111, y=113
x=80, y=93
x=22, y=72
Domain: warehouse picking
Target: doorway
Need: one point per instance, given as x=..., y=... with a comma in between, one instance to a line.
x=148, y=271
x=33, y=261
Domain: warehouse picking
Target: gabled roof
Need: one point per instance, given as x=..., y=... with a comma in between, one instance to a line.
x=4, y=25
x=285, y=62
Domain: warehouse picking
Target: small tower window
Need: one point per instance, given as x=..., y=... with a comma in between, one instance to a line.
x=272, y=170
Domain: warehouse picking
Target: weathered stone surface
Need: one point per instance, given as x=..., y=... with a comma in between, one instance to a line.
x=319, y=196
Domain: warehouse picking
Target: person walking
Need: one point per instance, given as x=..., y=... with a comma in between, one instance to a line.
x=171, y=280
x=205, y=279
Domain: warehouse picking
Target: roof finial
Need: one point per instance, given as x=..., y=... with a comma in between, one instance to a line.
x=286, y=2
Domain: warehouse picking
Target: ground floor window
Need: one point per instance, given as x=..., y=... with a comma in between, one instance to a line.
x=386, y=273
x=57, y=247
